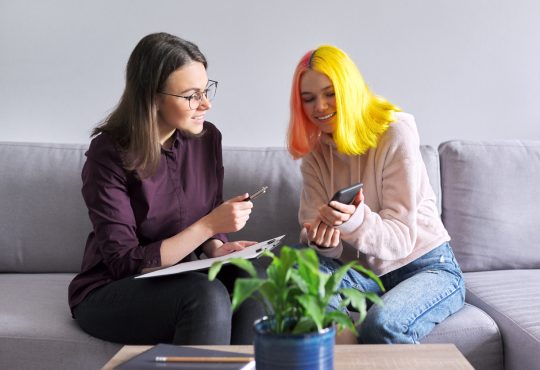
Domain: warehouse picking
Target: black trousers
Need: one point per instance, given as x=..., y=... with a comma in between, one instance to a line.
x=180, y=309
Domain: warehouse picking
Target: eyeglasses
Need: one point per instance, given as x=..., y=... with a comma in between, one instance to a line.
x=195, y=99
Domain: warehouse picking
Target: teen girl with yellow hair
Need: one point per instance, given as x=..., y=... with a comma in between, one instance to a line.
x=345, y=134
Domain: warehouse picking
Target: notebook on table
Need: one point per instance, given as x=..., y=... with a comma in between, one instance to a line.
x=147, y=359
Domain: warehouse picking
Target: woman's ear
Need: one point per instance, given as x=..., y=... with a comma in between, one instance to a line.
x=159, y=101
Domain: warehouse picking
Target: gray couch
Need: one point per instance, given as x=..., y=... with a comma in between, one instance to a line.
x=489, y=197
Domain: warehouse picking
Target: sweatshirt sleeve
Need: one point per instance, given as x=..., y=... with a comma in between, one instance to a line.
x=312, y=197
x=390, y=233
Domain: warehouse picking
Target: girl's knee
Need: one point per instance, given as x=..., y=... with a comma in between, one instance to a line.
x=379, y=327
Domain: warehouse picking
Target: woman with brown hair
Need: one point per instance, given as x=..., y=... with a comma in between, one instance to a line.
x=152, y=183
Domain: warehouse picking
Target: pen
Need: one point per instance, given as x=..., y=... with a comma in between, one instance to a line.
x=260, y=192
x=203, y=359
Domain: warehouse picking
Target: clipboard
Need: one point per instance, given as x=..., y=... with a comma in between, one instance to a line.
x=250, y=252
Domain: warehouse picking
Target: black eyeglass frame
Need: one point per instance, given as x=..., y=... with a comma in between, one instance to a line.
x=193, y=96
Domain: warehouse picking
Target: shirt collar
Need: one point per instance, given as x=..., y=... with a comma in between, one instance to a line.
x=177, y=138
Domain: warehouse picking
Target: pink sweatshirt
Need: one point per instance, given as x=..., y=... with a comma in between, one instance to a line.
x=398, y=220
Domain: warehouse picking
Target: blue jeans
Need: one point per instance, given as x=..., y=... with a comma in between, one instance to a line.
x=418, y=296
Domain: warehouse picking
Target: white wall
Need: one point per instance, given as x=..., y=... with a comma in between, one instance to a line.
x=466, y=68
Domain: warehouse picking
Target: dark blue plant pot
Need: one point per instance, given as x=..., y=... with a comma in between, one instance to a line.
x=313, y=351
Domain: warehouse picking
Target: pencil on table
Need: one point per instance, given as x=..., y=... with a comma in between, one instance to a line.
x=202, y=359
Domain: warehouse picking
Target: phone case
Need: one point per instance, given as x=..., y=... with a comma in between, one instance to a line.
x=347, y=195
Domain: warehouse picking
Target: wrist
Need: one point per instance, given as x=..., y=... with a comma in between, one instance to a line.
x=211, y=246
x=206, y=226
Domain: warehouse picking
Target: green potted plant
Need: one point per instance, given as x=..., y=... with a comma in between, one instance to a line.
x=299, y=331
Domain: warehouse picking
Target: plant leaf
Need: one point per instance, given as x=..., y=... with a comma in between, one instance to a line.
x=370, y=274
x=304, y=325
x=284, y=267
x=357, y=299
x=341, y=320
x=271, y=295
x=214, y=270
x=288, y=256
x=267, y=253
x=308, y=269
x=243, y=289
x=299, y=280
x=313, y=309
x=334, y=281
x=374, y=297
x=241, y=263
x=245, y=265
x=275, y=272
x=308, y=258
x=323, y=280
x=297, y=293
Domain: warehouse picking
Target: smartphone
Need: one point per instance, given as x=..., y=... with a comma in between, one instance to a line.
x=347, y=195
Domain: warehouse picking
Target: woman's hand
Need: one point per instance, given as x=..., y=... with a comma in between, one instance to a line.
x=229, y=247
x=230, y=216
x=336, y=213
x=321, y=234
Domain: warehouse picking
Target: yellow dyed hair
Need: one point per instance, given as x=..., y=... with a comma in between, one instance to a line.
x=362, y=117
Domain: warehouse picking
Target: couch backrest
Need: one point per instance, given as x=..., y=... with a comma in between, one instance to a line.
x=276, y=212
x=44, y=222
x=491, y=203
x=431, y=159
x=43, y=219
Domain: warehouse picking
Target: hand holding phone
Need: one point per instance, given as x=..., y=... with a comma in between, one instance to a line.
x=347, y=195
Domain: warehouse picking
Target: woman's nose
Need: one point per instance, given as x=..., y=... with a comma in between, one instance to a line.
x=205, y=103
x=321, y=104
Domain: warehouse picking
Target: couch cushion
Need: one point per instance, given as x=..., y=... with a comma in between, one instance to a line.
x=476, y=336
x=473, y=332
x=36, y=328
x=511, y=298
x=491, y=203
x=44, y=221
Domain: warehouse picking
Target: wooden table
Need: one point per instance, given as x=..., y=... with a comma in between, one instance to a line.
x=357, y=357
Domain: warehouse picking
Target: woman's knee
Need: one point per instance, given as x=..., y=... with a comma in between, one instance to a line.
x=204, y=315
x=211, y=296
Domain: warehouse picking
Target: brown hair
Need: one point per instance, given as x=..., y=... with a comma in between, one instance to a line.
x=133, y=123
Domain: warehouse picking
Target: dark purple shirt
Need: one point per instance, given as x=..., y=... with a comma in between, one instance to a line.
x=131, y=217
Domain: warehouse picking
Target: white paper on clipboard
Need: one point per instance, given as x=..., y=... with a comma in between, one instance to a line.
x=246, y=253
